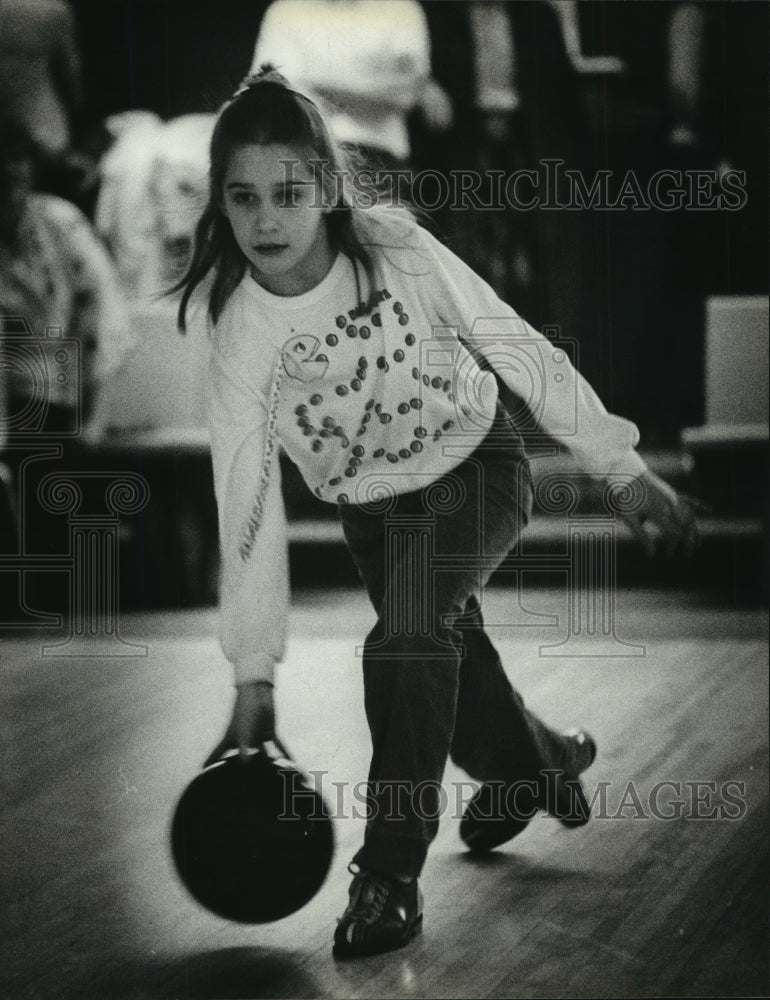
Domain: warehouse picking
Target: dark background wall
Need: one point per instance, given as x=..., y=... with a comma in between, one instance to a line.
x=169, y=56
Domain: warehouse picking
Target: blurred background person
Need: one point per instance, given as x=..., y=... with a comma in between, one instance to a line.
x=54, y=274
x=41, y=86
x=367, y=61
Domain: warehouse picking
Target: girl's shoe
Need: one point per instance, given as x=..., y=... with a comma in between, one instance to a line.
x=383, y=913
x=488, y=820
x=487, y=823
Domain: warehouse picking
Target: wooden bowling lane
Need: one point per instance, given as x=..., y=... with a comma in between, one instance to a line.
x=96, y=751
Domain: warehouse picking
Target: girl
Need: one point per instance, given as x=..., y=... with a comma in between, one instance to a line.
x=363, y=346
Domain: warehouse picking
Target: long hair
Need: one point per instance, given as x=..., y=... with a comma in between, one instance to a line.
x=267, y=110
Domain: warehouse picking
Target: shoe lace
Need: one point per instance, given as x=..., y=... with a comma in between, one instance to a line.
x=369, y=895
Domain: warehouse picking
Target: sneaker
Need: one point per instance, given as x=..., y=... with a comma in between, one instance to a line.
x=383, y=913
x=489, y=822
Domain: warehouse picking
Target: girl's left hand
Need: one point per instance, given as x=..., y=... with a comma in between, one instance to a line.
x=671, y=516
x=252, y=723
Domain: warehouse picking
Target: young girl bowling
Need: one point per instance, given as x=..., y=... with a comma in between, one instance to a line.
x=371, y=354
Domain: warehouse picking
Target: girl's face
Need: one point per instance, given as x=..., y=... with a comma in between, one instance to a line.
x=277, y=217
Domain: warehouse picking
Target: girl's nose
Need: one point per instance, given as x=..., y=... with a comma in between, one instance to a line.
x=266, y=220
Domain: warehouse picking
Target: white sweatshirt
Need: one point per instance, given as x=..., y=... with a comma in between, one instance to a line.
x=366, y=403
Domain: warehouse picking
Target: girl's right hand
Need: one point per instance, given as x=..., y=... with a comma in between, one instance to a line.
x=670, y=514
x=252, y=723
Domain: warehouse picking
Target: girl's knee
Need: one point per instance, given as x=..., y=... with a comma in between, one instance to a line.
x=435, y=643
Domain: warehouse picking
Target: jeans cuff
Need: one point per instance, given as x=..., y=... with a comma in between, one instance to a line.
x=392, y=853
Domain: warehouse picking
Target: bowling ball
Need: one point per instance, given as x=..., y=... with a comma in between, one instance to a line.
x=252, y=840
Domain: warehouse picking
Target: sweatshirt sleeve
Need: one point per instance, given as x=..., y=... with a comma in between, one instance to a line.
x=254, y=589
x=535, y=369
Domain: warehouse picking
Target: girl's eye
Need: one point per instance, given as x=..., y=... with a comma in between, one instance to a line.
x=243, y=197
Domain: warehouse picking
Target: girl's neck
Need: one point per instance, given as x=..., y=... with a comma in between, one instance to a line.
x=290, y=285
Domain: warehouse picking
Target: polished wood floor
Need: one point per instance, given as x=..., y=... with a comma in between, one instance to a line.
x=97, y=750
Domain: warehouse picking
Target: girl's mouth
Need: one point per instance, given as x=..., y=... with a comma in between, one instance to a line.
x=270, y=249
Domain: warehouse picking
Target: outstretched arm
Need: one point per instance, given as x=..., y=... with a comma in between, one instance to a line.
x=565, y=406
x=254, y=592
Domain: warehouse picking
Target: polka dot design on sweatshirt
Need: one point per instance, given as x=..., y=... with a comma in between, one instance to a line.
x=323, y=431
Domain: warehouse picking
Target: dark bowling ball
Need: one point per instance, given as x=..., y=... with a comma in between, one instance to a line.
x=252, y=839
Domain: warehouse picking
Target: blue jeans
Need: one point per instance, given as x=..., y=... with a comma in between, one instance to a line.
x=434, y=685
